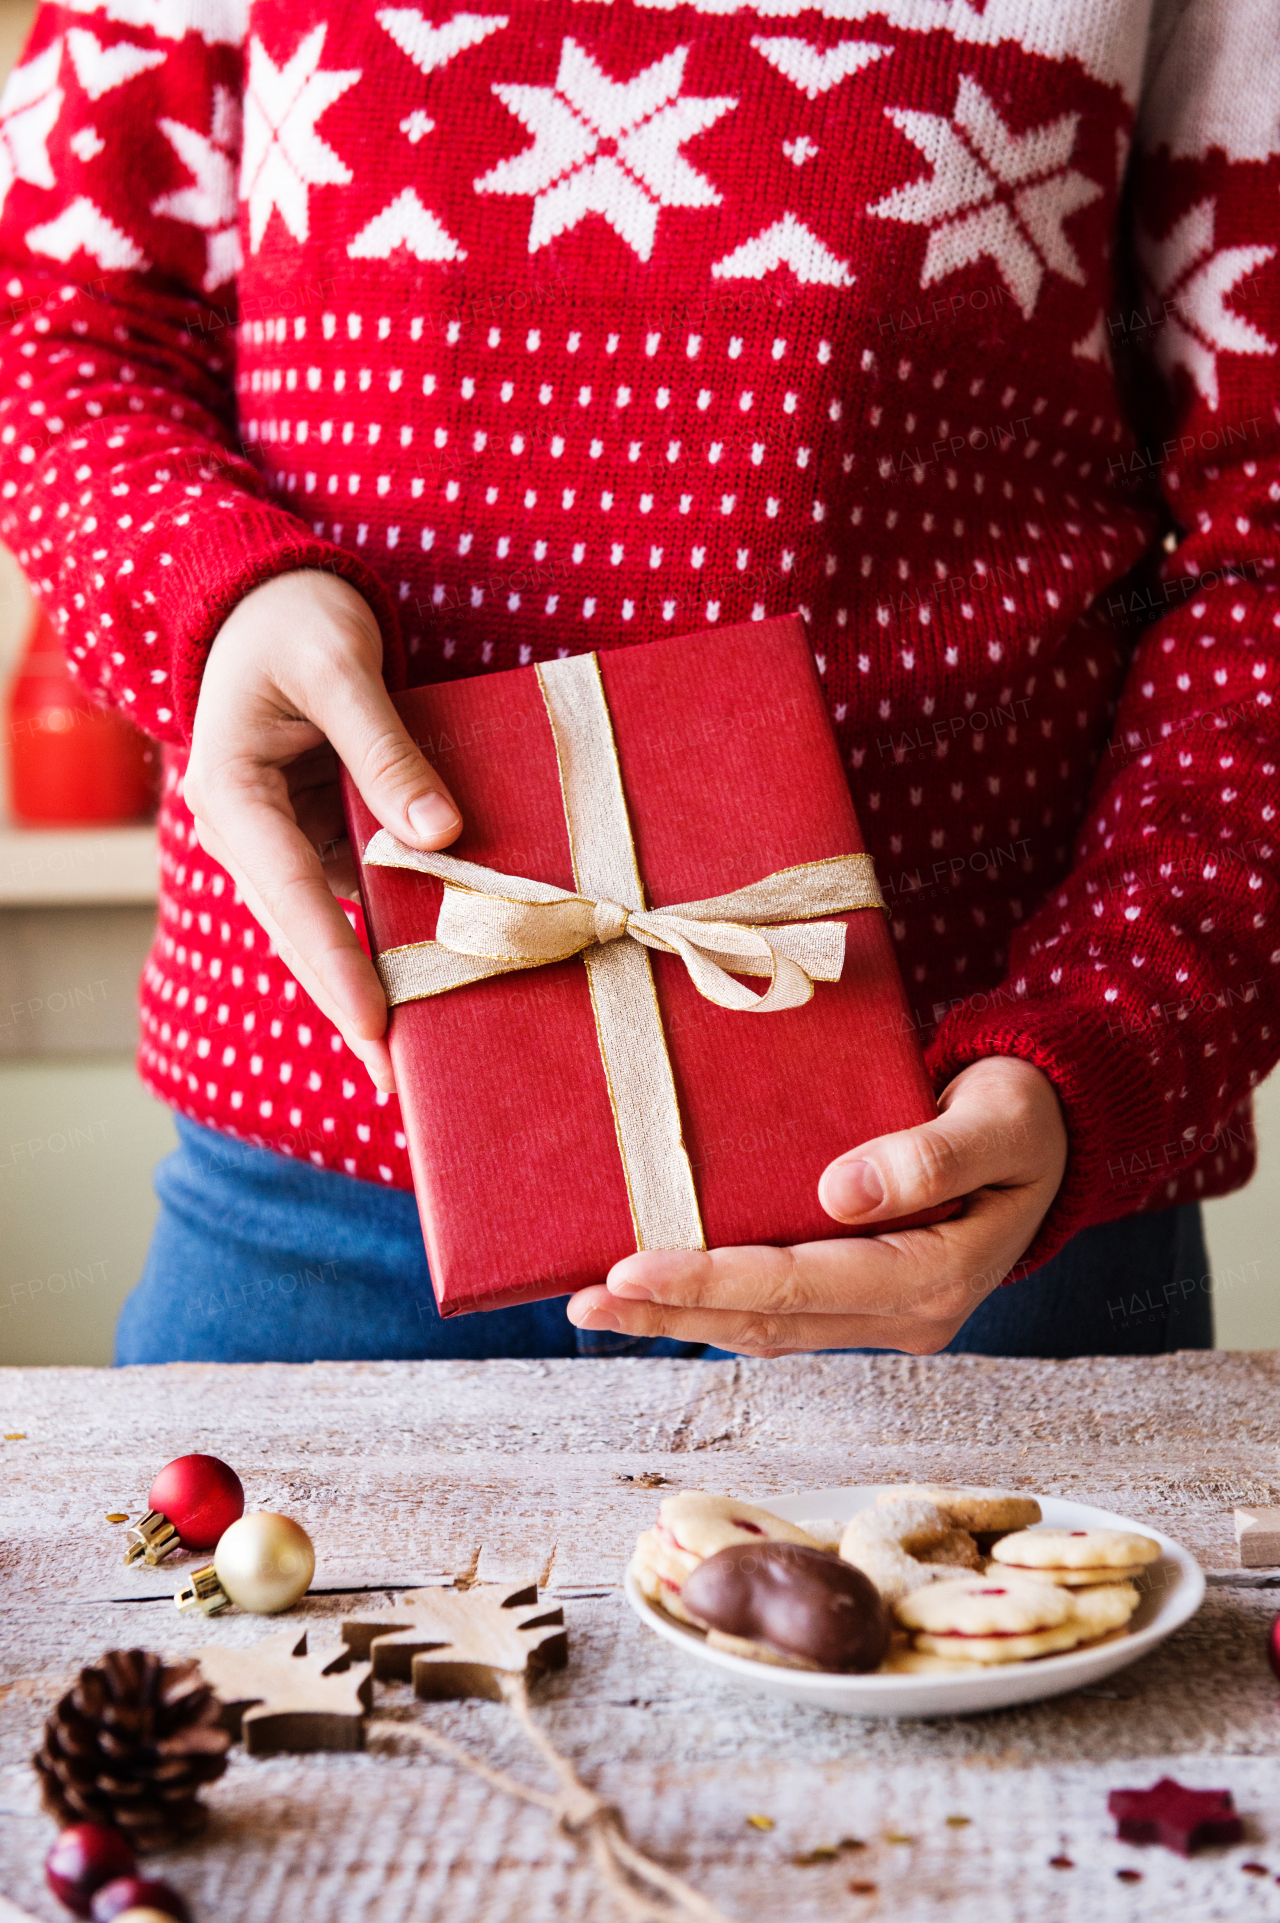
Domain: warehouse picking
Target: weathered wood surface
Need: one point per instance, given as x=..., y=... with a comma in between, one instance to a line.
x=404, y=1473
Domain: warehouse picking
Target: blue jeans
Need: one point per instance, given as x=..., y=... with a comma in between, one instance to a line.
x=257, y=1258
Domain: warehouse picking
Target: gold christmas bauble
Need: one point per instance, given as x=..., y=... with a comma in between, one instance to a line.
x=264, y=1562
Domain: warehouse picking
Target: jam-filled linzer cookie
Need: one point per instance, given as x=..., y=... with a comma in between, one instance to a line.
x=692, y=1526
x=1076, y=1558
x=992, y=1619
x=785, y=1603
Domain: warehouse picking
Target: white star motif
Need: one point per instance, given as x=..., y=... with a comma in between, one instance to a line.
x=99, y=68
x=211, y=203
x=430, y=47
x=787, y=242
x=283, y=153
x=1192, y=281
x=404, y=221
x=814, y=71
x=29, y=106
x=82, y=227
x=218, y=22
x=800, y=150
x=608, y=147
x=992, y=193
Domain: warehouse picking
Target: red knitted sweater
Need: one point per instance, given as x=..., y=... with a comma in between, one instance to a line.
x=580, y=323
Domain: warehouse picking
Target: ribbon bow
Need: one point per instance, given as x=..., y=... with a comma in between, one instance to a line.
x=508, y=921
x=491, y=924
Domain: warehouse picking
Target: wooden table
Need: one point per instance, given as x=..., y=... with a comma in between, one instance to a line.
x=404, y=1471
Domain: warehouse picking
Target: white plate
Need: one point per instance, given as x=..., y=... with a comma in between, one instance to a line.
x=1172, y=1591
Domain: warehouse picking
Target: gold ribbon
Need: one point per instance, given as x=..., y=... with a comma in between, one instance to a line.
x=492, y=924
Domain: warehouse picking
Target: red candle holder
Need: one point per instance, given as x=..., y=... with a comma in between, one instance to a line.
x=72, y=763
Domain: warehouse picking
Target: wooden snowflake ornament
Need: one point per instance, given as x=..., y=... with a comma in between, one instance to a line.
x=461, y=1642
x=278, y=1699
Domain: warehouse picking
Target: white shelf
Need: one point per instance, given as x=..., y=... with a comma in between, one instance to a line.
x=77, y=867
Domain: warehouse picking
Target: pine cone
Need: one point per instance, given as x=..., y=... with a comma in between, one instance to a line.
x=130, y=1745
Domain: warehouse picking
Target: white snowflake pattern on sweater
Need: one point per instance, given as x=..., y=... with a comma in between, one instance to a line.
x=560, y=327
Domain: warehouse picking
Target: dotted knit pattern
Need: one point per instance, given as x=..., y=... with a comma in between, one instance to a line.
x=578, y=324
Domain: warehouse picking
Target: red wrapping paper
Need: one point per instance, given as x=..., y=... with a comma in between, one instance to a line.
x=731, y=771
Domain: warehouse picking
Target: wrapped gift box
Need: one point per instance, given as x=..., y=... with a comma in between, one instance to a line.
x=730, y=773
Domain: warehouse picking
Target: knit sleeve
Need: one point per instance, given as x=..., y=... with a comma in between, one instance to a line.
x=136, y=514
x=1147, y=987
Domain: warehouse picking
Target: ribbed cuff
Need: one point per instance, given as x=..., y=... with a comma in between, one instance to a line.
x=1117, y=1124
x=226, y=559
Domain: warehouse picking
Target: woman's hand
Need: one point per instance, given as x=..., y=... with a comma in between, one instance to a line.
x=999, y=1140
x=292, y=687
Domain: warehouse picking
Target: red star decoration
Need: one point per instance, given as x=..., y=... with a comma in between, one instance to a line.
x=1184, y=1820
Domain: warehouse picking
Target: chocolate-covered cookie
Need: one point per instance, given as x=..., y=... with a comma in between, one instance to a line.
x=803, y=1603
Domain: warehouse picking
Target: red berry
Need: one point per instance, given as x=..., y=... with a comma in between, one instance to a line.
x=200, y=1496
x=137, y=1893
x=86, y=1856
x=1273, y=1646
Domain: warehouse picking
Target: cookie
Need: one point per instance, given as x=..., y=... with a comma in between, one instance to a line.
x=1004, y=1649
x=1077, y=1557
x=979, y=1606
x=983, y=1512
x=957, y=1549
x=1105, y=1608
x=1077, y=1580
x=799, y=1602
x=757, y=1652
x=692, y=1526
x=919, y=1662
x=695, y=1525
x=658, y=1574
x=1008, y=1620
x=824, y=1530
x=890, y=1545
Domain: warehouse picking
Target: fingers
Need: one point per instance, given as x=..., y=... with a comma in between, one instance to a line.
x=1000, y=1124
x=745, y=1333
x=999, y=1140
x=397, y=782
x=298, y=661
x=282, y=881
x=937, y=1271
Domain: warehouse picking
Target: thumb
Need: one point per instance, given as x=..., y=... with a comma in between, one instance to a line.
x=902, y=1174
x=395, y=779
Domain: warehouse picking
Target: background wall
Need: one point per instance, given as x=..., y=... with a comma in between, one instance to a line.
x=79, y=1138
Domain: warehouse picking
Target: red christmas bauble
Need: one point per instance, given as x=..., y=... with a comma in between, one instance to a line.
x=1273, y=1647
x=200, y=1496
x=137, y=1893
x=85, y=1856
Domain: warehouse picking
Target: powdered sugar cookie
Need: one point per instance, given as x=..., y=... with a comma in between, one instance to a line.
x=957, y=1549
x=824, y=1530
x=1077, y=1557
x=692, y=1526
x=890, y=1545
x=984, y=1512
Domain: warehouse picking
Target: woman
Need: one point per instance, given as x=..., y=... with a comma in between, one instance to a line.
x=349, y=349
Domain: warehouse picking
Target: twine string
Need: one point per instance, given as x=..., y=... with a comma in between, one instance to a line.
x=579, y=1812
